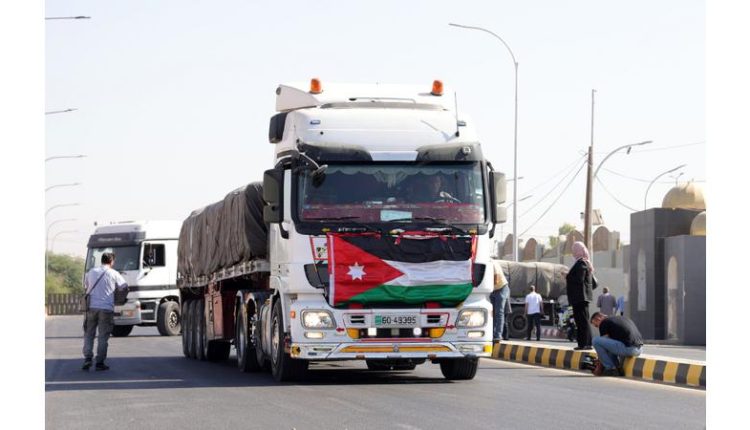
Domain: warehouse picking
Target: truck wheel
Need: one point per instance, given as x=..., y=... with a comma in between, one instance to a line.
x=121, y=330
x=517, y=324
x=168, y=319
x=191, y=328
x=247, y=359
x=283, y=367
x=459, y=368
x=185, y=323
x=200, y=330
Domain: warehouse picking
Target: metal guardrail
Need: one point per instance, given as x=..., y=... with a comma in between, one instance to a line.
x=63, y=304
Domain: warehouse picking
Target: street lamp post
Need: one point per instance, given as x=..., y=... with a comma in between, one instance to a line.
x=67, y=17
x=587, y=219
x=59, y=206
x=62, y=185
x=515, y=135
x=645, y=198
x=52, y=112
x=46, y=240
x=56, y=157
x=52, y=247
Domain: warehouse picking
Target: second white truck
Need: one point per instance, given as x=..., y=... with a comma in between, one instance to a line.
x=146, y=256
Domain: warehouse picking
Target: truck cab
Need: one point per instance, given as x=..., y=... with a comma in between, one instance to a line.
x=381, y=208
x=146, y=256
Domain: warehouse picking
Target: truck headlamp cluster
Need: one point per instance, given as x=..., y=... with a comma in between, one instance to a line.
x=472, y=318
x=317, y=319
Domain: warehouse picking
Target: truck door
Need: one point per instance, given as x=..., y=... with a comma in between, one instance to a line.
x=154, y=263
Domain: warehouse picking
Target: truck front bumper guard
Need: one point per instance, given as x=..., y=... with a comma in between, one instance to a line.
x=389, y=350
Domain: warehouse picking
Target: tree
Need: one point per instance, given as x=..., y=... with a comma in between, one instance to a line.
x=563, y=230
x=64, y=274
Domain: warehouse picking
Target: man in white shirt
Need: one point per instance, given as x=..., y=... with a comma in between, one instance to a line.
x=100, y=283
x=534, y=309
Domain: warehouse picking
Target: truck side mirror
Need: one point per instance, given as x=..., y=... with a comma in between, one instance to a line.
x=273, y=186
x=498, y=197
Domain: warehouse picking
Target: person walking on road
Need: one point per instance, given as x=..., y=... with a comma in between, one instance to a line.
x=620, y=306
x=579, y=281
x=100, y=283
x=533, y=309
x=606, y=303
x=619, y=338
x=499, y=298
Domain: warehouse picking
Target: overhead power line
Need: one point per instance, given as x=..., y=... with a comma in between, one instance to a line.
x=666, y=148
x=647, y=181
x=564, y=169
x=553, y=188
x=555, y=201
x=613, y=196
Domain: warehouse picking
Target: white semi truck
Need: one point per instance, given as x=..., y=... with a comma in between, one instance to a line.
x=146, y=256
x=369, y=239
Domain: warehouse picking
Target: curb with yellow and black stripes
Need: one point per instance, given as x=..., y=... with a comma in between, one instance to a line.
x=645, y=368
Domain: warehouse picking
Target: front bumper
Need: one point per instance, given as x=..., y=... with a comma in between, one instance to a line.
x=389, y=350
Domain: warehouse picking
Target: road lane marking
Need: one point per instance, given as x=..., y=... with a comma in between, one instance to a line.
x=113, y=381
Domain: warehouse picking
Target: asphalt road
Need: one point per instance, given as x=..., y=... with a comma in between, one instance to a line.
x=152, y=386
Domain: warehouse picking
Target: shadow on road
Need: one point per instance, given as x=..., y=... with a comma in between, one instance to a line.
x=139, y=373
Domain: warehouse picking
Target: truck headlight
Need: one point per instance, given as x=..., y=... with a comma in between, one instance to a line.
x=317, y=319
x=472, y=318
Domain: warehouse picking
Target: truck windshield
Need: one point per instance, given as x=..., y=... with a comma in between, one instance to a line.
x=126, y=257
x=374, y=193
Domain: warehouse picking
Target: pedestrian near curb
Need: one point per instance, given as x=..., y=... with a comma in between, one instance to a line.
x=534, y=310
x=620, y=338
x=499, y=298
x=606, y=303
x=100, y=283
x=580, y=285
x=621, y=306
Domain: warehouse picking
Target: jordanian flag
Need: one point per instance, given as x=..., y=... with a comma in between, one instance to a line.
x=369, y=269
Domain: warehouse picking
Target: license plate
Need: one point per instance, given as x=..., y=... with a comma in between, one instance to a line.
x=396, y=320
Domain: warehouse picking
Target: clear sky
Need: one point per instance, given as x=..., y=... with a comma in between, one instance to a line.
x=174, y=97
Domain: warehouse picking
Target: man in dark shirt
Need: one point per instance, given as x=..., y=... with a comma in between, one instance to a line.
x=619, y=338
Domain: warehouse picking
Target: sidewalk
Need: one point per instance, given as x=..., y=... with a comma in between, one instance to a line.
x=673, y=364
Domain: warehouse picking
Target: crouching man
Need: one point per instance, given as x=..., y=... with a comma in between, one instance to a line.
x=619, y=338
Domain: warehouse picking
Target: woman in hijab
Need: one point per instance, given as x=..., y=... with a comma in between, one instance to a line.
x=580, y=280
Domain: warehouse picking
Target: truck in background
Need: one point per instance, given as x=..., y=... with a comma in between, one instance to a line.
x=369, y=239
x=549, y=279
x=146, y=256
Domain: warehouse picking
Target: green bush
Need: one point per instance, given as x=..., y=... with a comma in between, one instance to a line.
x=64, y=274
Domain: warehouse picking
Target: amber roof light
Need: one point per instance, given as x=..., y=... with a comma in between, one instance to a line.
x=315, y=87
x=437, y=88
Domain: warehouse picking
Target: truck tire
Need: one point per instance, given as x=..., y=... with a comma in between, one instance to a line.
x=190, y=328
x=200, y=330
x=283, y=366
x=121, y=330
x=459, y=368
x=168, y=319
x=517, y=324
x=185, y=322
x=247, y=359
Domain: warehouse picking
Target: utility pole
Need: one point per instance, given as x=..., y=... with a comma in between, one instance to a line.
x=589, y=183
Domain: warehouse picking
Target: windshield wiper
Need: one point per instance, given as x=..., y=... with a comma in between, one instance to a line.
x=443, y=225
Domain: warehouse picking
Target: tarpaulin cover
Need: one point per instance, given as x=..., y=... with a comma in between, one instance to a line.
x=223, y=234
x=549, y=278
